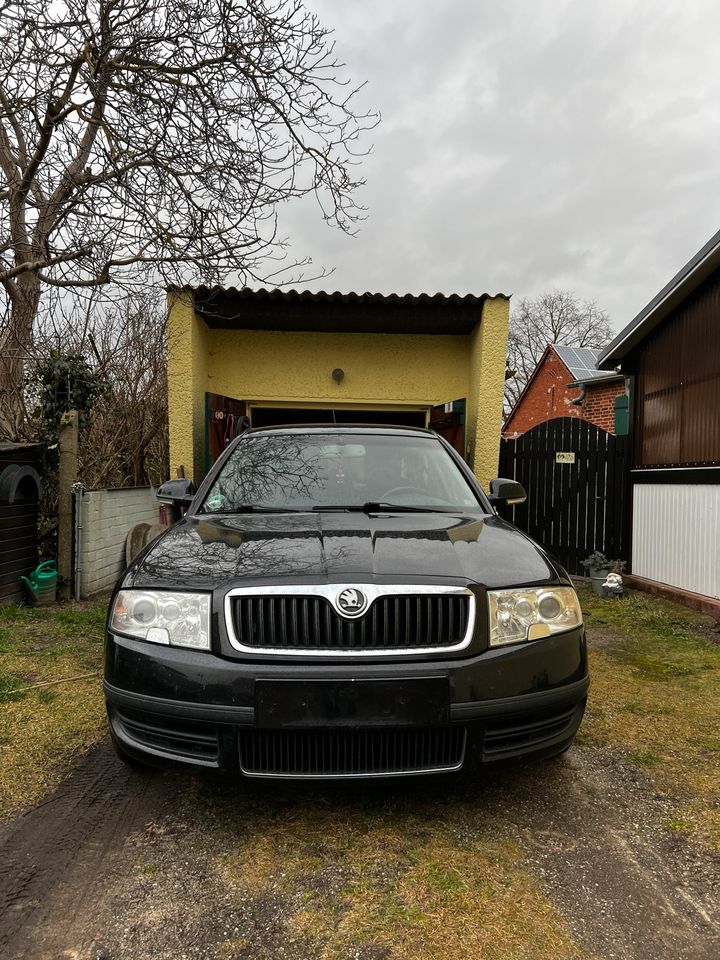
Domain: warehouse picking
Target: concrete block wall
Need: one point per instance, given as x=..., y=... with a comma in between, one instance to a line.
x=107, y=516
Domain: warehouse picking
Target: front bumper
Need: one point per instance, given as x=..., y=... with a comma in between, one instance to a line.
x=170, y=705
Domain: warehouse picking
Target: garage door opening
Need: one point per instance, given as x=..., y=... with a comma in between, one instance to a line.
x=275, y=416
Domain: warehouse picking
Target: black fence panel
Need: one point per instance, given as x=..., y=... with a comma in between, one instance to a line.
x=576, y=477
x=19, y=492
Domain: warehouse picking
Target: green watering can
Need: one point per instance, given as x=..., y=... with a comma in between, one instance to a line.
x=41, y=585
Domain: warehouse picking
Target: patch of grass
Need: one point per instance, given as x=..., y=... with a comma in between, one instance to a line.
x=16, y=613
x=679, y=826
x=646, y=759
x=44, y=728
x=655, y=692
x=89, y=618
x=415, y=881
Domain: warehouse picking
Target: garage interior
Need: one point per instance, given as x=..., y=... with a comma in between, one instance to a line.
x=276, y=416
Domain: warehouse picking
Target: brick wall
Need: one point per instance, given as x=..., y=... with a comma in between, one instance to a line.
x=598, y=406
x=107, y=516
x=548, y=396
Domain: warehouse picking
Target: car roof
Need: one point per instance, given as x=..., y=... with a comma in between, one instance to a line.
x=335, y=428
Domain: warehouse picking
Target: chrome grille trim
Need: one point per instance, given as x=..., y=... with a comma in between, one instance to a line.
x=329, y=592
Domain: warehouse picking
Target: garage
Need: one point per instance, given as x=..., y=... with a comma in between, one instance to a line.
x=239, y=358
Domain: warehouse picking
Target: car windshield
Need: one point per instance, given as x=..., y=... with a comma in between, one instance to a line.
x=323, y=471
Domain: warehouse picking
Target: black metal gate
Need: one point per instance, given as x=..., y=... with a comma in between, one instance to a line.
x=576, y=477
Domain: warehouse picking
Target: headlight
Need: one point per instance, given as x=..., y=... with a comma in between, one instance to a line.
x=176, y=619
x=532, y=613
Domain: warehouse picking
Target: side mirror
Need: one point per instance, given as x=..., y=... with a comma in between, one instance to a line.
x=509, y=492
x=178, y=492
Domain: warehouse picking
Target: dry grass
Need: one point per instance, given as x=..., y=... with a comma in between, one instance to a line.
x=415, y=881
x=402, y=874
x=655, y=692
x=413, y=876
x=44, y=729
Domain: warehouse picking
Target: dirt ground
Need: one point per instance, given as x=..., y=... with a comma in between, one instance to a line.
x=118, y=865
x=581, y=856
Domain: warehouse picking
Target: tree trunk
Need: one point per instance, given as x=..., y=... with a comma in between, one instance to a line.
x=15, y=346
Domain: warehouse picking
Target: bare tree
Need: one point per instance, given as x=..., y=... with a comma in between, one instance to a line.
x=158, y=134
x=126, y=443
x=124, y=435
x=557, y=317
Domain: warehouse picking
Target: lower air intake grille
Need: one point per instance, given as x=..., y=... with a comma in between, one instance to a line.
x=180, y=738
x=350, y=753
x=529, y=731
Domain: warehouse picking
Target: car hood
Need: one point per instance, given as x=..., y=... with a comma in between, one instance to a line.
x=204, y=552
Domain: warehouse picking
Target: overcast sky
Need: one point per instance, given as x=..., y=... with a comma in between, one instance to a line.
x=526, y=145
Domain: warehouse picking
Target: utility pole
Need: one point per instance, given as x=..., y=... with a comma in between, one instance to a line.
x=67, y=476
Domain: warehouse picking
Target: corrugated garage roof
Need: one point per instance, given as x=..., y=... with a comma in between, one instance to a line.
x=230, y=307
x=247, y=293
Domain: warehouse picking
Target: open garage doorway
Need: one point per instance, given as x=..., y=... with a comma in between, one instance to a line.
x=274, y=416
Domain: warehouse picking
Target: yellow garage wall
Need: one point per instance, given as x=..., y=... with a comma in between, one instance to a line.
x=488, y=356
x=273, y=365
x=187, y=383
x=288, y=367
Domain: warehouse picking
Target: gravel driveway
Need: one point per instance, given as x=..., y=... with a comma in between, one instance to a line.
x=120, y=865
x=577, y=857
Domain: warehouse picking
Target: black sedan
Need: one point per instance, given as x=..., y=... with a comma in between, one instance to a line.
x=343, y=601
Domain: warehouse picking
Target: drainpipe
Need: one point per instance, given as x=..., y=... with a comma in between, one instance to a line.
x=581, y=396
x=78, y=490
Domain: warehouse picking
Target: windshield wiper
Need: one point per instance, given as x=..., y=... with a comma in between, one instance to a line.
x=374, y=506
x=250, y=508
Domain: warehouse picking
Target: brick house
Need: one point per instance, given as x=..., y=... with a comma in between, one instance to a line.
x=566, y=383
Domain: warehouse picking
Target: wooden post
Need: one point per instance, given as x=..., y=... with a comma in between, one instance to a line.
x=67, y=476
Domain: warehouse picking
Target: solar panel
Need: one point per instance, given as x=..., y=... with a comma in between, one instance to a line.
x=581, y=361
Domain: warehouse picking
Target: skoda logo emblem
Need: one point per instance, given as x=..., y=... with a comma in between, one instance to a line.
x=351, y=602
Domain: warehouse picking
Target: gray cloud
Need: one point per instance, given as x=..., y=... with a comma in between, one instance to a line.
x=526, y=146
